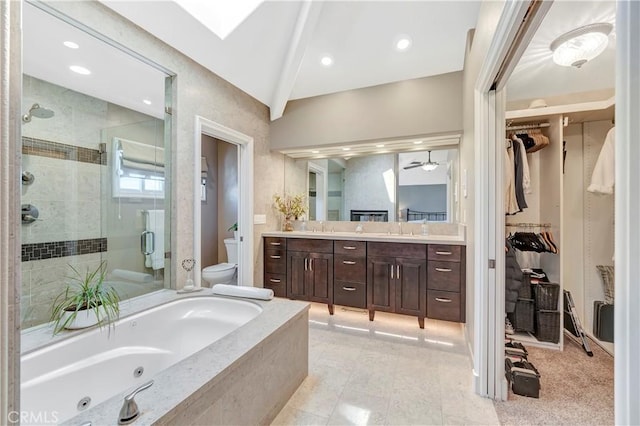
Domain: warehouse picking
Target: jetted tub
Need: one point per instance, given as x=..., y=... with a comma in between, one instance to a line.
x=98, y=364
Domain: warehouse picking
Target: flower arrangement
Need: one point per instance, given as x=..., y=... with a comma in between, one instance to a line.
x=291, y=207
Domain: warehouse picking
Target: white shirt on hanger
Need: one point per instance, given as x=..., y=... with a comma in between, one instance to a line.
x=603, y=177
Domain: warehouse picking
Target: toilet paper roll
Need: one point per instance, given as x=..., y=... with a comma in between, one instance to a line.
x=138, y=277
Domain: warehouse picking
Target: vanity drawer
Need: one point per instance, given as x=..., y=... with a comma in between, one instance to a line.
x=444, y=305
x=275, y=242
x=347, y=268
x=350, y=248
x=275, y=261
x=350, y=294
x=277, y=283
x=447, y=253
x=443, y=276
x=406, y=250
x=310, y=245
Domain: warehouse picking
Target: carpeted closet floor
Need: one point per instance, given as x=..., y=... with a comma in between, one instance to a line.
x=575, y=389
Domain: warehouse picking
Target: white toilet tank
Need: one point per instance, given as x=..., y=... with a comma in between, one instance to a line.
x=232, y=250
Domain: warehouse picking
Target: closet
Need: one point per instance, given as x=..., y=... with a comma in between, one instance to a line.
x=580, y=222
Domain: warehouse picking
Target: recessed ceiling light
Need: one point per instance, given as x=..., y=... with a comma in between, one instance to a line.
x=577, y=47
x=146, y=101
x=326, y=60
x=346, y=149
x=403, y=43
x=71, y=44
x=417, y=142
x=381, y=145
x=79, y=69
x=315, y=152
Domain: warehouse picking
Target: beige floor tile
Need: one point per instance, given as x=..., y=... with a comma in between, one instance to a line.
x=387, y=371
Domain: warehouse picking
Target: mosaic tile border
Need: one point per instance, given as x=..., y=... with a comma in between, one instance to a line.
x=40, y=251
x=45, y=148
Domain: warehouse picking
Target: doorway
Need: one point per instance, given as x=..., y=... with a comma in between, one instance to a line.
x=244, y=166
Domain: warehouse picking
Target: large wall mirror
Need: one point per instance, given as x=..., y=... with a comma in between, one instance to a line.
x=95, y=163
x=419, y=185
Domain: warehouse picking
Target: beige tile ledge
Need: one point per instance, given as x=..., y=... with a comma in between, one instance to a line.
x=371, y=236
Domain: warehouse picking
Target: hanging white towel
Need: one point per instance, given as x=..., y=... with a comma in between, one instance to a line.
x=603, y=177
x=155, y=224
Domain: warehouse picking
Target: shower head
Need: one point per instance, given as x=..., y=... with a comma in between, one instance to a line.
x=37, y=111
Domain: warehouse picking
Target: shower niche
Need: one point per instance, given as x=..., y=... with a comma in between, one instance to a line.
x=70, y=120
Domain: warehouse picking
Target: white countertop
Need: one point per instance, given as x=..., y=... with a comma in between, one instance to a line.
x=370, y=236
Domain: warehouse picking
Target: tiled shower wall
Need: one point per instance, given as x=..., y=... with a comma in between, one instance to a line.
x=71, y=191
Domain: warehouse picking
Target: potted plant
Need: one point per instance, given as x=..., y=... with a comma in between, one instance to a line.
x=234, y=228
x=86, y=301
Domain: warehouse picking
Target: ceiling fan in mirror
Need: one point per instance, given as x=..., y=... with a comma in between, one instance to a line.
x=425, y=165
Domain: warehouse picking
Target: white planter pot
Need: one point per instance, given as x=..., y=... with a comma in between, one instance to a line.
x=83, y=319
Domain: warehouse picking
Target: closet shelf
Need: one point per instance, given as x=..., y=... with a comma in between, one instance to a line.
x=526, y=126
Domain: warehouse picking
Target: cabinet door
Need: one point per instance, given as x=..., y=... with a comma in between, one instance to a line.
x=381, y=284
x=411, y=286
x=319, y=282
x=296, y=274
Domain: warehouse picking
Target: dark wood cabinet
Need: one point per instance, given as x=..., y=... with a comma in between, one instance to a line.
x=275, y=265
x=397, y=279
x=310, y=271
x=350, y=273
x=446, y=276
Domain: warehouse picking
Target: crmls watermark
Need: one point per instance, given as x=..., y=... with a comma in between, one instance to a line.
x=33, y=417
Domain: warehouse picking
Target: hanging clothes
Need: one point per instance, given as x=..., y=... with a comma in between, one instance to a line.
x=603, y=177
x=510, y=201
x=526, y=176
x=513, y=278
x=518, y=175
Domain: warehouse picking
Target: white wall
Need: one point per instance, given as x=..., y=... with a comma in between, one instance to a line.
x=369, y=184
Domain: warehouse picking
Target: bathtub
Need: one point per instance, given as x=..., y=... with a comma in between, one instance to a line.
x=68, y=377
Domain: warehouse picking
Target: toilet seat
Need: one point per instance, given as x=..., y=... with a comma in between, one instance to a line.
x=220, y=267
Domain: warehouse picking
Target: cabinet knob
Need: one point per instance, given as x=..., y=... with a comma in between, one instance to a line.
x=443, y=269
x=443, y=300
x=275, y=244
x=349, y=247
x=275, y=280
x=273, y=256
x=349, y=288
x=444, y=253
x=348, y=262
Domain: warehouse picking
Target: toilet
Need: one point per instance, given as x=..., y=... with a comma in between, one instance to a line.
x=223, y=273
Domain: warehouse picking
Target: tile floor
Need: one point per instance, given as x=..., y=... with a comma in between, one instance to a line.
x=385, y=372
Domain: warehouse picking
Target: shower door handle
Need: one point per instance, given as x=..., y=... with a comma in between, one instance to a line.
x=147, y=238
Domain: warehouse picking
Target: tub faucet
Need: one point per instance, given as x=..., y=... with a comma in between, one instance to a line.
x=130, y=411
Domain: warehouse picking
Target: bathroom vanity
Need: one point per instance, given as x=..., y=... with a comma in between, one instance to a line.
x=423, y=276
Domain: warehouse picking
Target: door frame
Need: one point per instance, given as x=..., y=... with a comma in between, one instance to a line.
x=321, y=188
x=204, y=126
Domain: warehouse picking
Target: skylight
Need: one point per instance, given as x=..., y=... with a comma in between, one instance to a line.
x=220, y=16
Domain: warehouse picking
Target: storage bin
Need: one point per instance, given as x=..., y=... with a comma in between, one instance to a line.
x=548, y=326
x=523, y=316
x=546, y=296
x=524, y=292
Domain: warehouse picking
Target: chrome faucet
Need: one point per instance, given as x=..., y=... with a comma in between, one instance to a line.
x=130, y=411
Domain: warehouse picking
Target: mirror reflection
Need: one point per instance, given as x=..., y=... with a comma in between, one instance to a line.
x=415, y=186
x=95, y=165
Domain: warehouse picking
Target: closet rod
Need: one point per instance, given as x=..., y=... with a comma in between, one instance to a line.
x=528, y=126
x=528, y=225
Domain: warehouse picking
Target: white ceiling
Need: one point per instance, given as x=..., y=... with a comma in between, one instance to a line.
x=537, y=76
x=274, y=54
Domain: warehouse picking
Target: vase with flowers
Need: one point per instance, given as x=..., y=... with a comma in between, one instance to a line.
x=291, y=207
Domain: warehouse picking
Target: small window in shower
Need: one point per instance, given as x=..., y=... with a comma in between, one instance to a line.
x=138, y=169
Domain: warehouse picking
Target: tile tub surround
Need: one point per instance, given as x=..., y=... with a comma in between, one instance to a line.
x=385, y=372
x=217, y=384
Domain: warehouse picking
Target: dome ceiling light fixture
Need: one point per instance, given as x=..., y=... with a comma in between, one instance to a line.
x=577, y=47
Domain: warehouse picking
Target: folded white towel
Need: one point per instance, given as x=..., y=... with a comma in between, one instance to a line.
x=242, y=291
